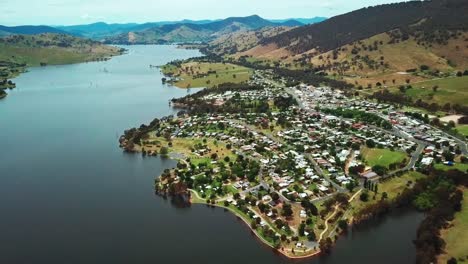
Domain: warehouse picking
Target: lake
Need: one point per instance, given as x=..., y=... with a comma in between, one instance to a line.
x=68, y=194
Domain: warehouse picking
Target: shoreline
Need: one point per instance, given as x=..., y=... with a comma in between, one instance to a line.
x=288, y=254
x=25, y=69
x=259, y=237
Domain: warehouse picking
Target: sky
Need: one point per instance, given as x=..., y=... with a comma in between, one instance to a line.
x=72, y=12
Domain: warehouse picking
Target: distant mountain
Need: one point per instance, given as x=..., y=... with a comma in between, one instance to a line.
x=302, y=21
x=97, y=30
x=101, y=30
x=193, y=32
x=290, y=23
x=28, y=30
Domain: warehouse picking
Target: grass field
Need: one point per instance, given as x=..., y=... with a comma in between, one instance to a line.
x=393, y=187
x=456, y=237
x=463, y=129
x=201, y=74
x=453, y=90
x=457, y=166
x=383, y=157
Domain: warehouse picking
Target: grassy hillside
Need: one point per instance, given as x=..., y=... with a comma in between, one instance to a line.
x=20, y=51
x=420, y=19
x=370, y=46
x=456, y=235
x=451, y=90
x=203, y=74
x=242, y=41
x=46, y=49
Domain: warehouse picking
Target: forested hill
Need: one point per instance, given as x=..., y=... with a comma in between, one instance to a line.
x=192, y=32
x=48, y=48
x=416, y=18
x=28, y=30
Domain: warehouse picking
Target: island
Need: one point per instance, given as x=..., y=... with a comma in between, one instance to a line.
x=301, y=163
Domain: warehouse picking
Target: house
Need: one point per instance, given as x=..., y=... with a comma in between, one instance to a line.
x=427, y=161
x=370, y=175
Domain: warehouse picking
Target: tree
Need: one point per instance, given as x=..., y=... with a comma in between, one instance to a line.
x=452, y=260
x=364, y=196
x=343, y=224
x=287, y=210
x=164, y=151
x=384, y=195
x=301, y=229
x=350, y=186
x=424, y=67
x=448, y=156
x=275, y=196
x=326, y=245
x=370, y=143
x=311, y=236
x=379, y=169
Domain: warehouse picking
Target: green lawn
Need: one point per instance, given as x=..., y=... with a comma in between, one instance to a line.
x=456, y=237
x=393, y=187
x=396, y=185
x=456, y=166
x=224, y=73
x=383, y=157
x=463, y=129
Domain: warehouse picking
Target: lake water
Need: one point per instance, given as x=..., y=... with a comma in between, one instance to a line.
x=68, y=194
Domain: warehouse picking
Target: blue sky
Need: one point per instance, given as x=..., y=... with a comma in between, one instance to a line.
x=67, y=12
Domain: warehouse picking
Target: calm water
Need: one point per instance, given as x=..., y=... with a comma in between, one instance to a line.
x=69, y=195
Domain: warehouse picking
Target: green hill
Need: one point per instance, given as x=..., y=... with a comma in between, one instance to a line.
x=20, y=51
x=194, y=32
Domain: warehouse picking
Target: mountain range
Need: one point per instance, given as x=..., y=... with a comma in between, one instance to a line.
x=161, y=31
x=28, y=30
x=368, y=45
x=194, y=32
x=102, y=30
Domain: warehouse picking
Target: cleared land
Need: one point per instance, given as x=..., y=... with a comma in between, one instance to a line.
x=456, y=166
x=202, y=74
x=453, y=90
x=463, y=129
x=456, y=236
x=52, y=49
x=382, y=157
x=393, y=187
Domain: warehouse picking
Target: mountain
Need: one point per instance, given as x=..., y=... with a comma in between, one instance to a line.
x=242, y=41
x=409, y=17
x=303, y=21
x=191, y=32
x=100, y=30
x=370, y=45
x=28, y=30
x=96, y=30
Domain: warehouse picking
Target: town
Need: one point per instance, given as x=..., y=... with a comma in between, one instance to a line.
x=297, y=164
